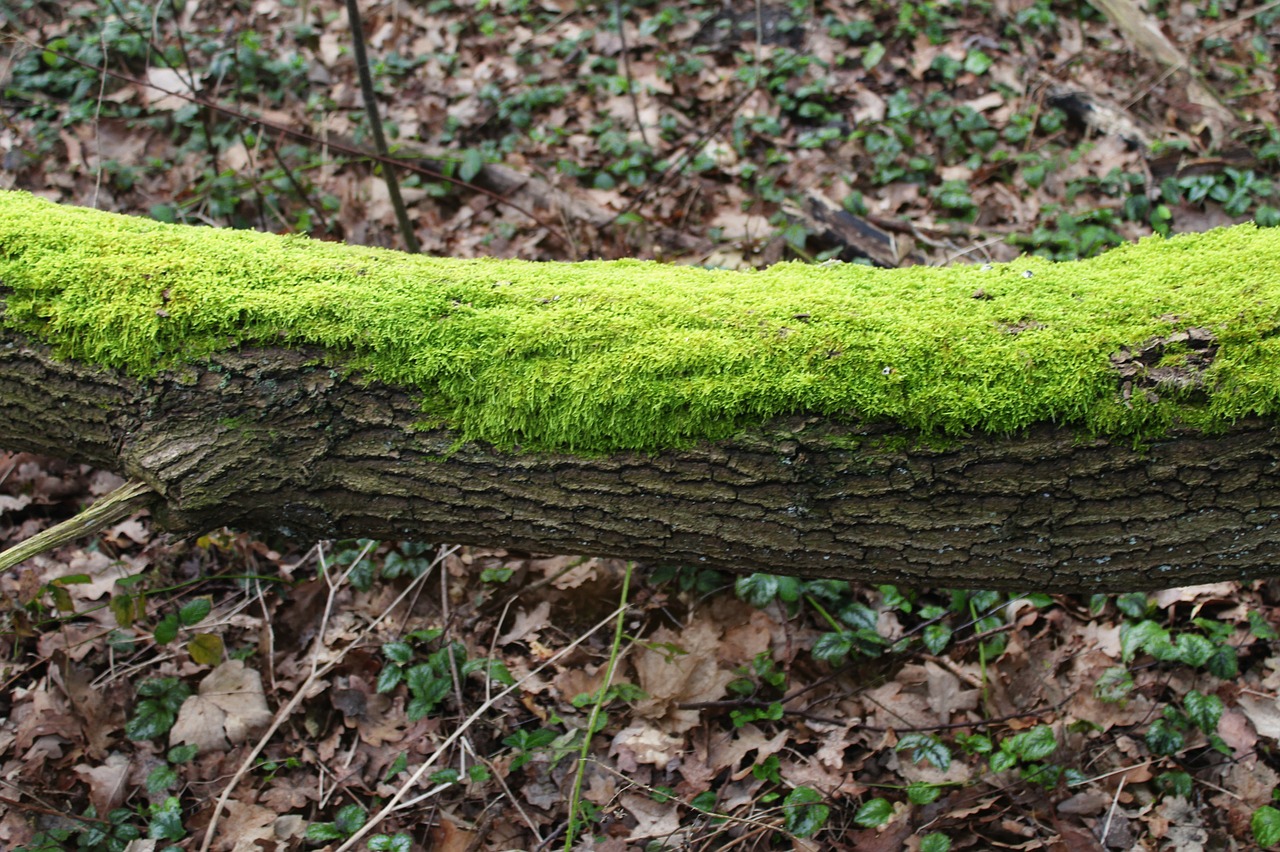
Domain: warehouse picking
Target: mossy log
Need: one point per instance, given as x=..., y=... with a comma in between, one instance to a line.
x=1100, y=425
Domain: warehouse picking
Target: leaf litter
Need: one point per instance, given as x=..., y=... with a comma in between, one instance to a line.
x=721, y=711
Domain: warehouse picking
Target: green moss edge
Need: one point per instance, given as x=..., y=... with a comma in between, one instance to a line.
x=602, y=356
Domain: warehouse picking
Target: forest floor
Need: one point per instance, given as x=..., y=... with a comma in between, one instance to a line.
x=413, y=696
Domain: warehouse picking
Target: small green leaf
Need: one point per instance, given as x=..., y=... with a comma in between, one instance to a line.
x=1204, y=711
x=392, y=843
x=872, y=55
x=195, y=611
x=704, y=801
x=167, y=630
x=1194, y=650
x=922, y=792
x=804, y=811
x=935, y=842
x=1134, y=604
x=398, y=652
x=832, y=647
x=1163, y=738
x=1141, y=636
x=180, y=754
x=1261, y=628
x=124, y=608
x=936, y=637
x=1175, y=784
x=1113, y=685
x=977, y=62
x=205, y=649
x=1266, y=826
x=400, y=764
x=323, y=832
x=61, y=598
x=874, y=813
x=150, y=720
x=445, y=776
x=472, y=163
x=974, y=743
x=926, y=747
x=1035, y=744
x=161, y=778
x=759, y=590
x=350, y=819
x=166, y=821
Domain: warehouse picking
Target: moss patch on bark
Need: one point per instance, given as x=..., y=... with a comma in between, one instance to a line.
x=602, y=356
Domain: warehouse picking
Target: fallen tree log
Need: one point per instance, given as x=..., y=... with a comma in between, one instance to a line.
x=1101, y=425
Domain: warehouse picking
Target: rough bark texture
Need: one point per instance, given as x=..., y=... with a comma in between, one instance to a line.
x=270, y=440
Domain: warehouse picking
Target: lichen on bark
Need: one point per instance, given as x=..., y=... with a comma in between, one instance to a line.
x=606, y=356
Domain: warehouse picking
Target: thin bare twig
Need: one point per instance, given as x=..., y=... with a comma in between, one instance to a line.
x=375, y=125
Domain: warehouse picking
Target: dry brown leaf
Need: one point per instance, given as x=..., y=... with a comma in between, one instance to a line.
x=642, y=743
x=229, y=706
x=528, y=623
x=653, y=819
x=675, y=668
x=107, y=782
x=1263, y=712
x=246, y=827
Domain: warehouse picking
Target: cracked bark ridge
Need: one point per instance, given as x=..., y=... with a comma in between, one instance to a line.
x=276, y=440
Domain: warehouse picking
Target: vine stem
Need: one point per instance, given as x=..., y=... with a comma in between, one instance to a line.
x=596, y=709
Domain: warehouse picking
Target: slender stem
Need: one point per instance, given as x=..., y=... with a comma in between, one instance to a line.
x=572, y=831
x=129, y=498
x=375, y=125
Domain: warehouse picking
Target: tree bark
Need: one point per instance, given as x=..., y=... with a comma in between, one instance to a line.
x=272, y=439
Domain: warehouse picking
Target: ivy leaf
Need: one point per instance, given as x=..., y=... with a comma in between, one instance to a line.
x=1139, y=637
x=1224, y=664
x=936, y=638
x=922, y=792
x=874, y=813
x=1035, y=744
x=1113, y=685
x=322, y=832
x=759, y=590
x=935, y=842
x=832, y=647
x=872, y=55
x=804, y=811
x=1163, y=738
x=1194, y=650
x=472, y=163
x=398, y=652
x=1204, y=711
x=166, y=821
x=1266, y=826
x=350, y=819
x=926, y=747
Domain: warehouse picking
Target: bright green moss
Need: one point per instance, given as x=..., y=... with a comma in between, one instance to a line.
x=613, y=355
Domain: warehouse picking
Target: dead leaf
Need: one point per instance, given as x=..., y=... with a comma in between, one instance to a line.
x=167, y=88
x=107, y=782
x=229, y=706
x=1263, y=712
x=653, y=819
x=675, y=668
